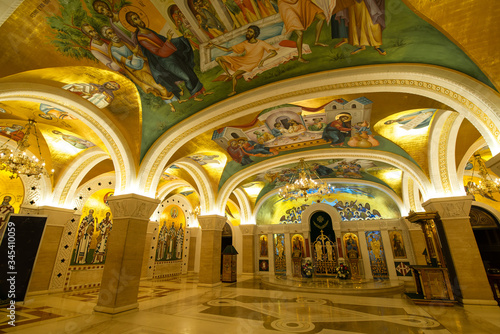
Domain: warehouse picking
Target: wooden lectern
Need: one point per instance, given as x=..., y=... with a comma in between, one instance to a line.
x=432, y=281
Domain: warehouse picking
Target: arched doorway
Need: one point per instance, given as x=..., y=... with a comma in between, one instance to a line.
x=323, y=242
x=486, y=229
x=226, y=240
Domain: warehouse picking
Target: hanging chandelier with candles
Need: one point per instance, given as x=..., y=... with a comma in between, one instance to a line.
x=18, y=162
x=487, y=185
x=301, y=184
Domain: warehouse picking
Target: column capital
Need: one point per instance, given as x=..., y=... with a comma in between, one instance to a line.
x=132, y=206
x=248, y=229
x=212, y=222
x=450, y=207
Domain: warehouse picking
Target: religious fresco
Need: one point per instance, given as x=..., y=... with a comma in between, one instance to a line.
x=377, y=255
x=279, y=255
x=353, y=253
x=472, y=174
x=363, y=169
x=232, y=213
x=298, y=246
x=409, y=130
x=368, y=202
x=171, y=234
x=102, y=36
x=397, y=243
x=13, y=188
x=263, y=247
x=93, y=230
x=288, y=128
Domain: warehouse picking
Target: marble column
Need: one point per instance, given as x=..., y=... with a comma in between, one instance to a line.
x=247, y=253
x=211, y=239
x=122, y=272
x=467, y=273
x=47, y=257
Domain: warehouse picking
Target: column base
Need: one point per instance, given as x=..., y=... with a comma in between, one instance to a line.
x=481, y=302
x=116, y=310
x=209, y=285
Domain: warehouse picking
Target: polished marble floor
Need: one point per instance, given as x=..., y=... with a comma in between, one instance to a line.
x=179, y=306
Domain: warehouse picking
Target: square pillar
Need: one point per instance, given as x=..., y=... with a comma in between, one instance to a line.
x=211, y=239
x=122, y=272
x=468, y=272
x=248, y=249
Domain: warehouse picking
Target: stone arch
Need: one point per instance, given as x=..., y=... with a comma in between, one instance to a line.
x=90, y=115
x=474, y=100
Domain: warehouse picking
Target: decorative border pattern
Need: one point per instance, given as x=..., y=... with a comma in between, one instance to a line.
x=74, y=176
x=443, y=152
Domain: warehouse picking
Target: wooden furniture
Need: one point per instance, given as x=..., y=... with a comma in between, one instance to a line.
x=433, y=284
x=229, y=264
x=494, y=280
x=432, y=281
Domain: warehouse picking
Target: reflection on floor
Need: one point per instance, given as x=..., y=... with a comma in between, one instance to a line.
x=179, y=306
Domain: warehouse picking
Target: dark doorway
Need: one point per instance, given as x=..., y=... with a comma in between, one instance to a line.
x=487, y=232
x=227, y=240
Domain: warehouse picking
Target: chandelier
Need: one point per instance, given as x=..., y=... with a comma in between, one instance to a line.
x=301, y=184
x=487, y=185
x=17, y=162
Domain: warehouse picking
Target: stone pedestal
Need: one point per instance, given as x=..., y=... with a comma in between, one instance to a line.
x=122, y=272
x=468, y=273
x=248, y=248
x=47, y=257
x=211, y=238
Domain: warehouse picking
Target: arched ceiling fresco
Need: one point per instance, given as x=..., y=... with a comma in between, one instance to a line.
x=93, y=73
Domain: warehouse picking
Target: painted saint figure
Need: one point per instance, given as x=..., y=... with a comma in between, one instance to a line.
x=74, y=141
x=84, y=237
x=298, y=15
x=170, y=59
x=338, y=130
x=99, y=47
x=99, y=95
x=114, y=20
x=133, y=63
x=105, y=229
x=251, y=52
x=5, y=210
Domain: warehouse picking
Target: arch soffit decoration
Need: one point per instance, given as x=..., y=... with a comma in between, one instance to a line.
x=107, y=180
x=474, y=100
x=394, y=159
x=246, y=216
x=94, y=118
x=171, y=186
x=74, y=173
x=480, y=143
x=388, y=191
x=203, y=184
x=441, y=148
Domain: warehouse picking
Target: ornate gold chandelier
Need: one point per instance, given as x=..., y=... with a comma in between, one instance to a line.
x=487, y=185
x=301, y=185
x=17, y=162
